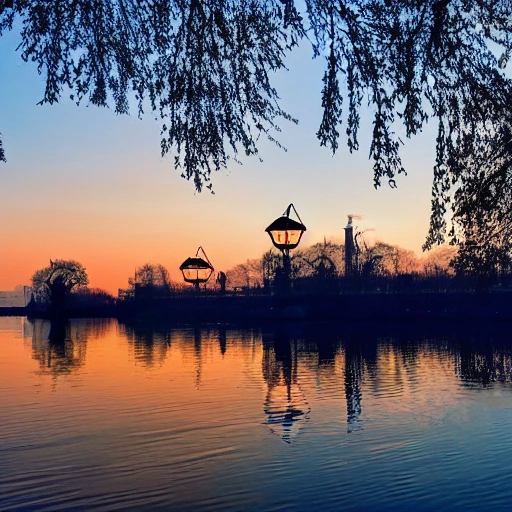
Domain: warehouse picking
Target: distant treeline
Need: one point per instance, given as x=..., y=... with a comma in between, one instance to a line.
x=321, y=269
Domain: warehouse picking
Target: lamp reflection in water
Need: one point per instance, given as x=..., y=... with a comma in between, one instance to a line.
x=197, y=270
x=285, y=405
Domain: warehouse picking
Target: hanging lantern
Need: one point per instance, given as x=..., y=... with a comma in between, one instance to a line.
x=197, y=270
x=285, y=232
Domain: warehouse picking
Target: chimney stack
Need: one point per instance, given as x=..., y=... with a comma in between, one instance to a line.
x=349, y=248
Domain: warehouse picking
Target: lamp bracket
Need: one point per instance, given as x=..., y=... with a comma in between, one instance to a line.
x=289, y=209
x=200, y=249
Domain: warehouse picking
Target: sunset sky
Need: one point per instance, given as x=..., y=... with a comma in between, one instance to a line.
x=82, y=183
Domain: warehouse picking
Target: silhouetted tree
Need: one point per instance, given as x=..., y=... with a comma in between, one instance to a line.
x=318, y=267
x=245, y=275
x=482, y=210
x=205, y=67
x=150, y=279
x=319, y=258
x=369, y=259
x=395, y=260
x=54, y=283
x=438, y=262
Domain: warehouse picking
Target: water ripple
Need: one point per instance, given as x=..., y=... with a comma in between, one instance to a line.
x=219, y=419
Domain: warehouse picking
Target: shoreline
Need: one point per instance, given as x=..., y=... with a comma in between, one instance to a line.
x=424, y=306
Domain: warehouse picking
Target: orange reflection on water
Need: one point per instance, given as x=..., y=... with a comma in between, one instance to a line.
x=136, y=409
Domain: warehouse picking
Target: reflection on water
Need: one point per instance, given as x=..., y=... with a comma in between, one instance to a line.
x=60, y=346
x=485, y=365
x=353, y=373
x=285, y=403
x=149, y=346
x=98, y=415
x=55, y=349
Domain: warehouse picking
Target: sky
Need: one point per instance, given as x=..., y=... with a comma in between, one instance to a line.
x=86, y=184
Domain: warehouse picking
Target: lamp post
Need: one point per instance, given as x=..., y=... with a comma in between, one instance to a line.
x=197, y=270
x=285, y=234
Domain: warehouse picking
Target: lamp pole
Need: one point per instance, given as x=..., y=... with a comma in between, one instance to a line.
x=287, y=267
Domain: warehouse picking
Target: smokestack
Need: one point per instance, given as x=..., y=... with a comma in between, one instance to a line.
x=349, y=248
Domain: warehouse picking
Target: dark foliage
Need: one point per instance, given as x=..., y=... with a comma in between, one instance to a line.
x=205, y=67
x=482, y=206
x=202, y=66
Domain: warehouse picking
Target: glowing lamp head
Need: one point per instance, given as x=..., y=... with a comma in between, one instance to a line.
x=196, y=270
x=286, y=233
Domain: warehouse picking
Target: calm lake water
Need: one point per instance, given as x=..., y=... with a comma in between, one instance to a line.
x=98, y=415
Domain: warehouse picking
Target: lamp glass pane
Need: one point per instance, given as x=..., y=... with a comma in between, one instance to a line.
x=197, y=274
x=287, y=237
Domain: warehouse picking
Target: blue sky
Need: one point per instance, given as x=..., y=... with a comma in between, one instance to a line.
x=84, y=183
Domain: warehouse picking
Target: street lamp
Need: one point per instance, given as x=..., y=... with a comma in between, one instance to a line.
x=285, y=234
x=197, y=270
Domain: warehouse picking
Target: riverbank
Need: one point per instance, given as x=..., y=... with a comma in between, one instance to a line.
x=489, y=306
x=362, y=306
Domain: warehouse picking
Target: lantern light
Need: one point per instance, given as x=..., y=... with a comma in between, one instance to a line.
x=285, y=232
x=197, y=270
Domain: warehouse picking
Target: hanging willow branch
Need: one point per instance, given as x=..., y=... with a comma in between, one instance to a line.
x=205, y=68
